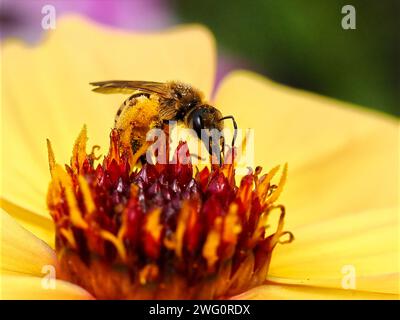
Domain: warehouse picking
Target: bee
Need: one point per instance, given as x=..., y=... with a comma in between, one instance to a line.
x=154, y=104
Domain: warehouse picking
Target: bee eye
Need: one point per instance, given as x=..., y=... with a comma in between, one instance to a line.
x=197, y=122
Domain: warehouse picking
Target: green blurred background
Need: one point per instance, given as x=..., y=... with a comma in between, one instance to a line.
x=302, y=44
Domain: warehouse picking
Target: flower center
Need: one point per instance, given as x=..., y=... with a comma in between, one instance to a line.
x=161, y=231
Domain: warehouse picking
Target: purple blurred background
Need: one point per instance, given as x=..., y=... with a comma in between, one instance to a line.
x=22, y=18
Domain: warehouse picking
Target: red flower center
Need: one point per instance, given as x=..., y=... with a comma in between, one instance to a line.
x=161, y=231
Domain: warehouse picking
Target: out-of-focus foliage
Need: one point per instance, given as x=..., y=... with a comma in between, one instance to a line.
x=302, y=43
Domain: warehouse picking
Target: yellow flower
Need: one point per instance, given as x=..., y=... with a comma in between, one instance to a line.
x=342, y=191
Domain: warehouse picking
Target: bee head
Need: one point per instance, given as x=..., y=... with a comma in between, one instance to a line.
x=205, y=121
x=204, y=117
x=186, y=96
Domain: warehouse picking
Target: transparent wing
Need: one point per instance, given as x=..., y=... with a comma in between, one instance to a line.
x=123, y=86
x=166, y=111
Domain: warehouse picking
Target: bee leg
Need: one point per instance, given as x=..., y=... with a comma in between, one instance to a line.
x=215, y=151
x=222, y=149
x=235, y=127
x=136, y=144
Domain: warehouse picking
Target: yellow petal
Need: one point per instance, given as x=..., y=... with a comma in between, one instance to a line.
x=46, y=92
x=342, y=158
x=40, y=226
x=34, y=288
x=272, y=291
x=329, y=253
x=21, y=251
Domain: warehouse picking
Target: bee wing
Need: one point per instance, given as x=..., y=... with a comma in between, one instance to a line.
x=167, y=112
x=122, y=86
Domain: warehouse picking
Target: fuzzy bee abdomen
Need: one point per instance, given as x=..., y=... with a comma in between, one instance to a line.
x=136, y=116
